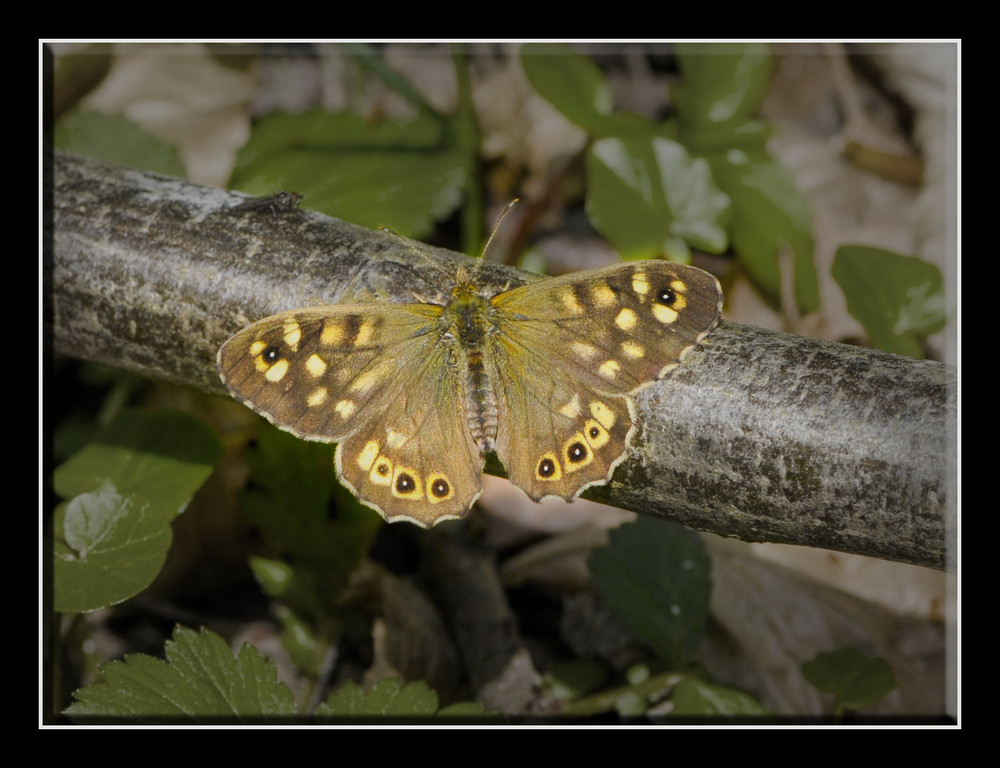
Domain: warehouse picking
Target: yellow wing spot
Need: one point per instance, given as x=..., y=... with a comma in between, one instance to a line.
x=547, y=467
x=584, y=350
x=333, y=333
x=626, y=319
x=609, y=370
x=640, y=283
x=602, y=295
x=406, y=484
x=632, y=349
x=439, y=488
x=315, y=366
x=364, y=333
x=317, y=397
x=346, y=408
x=368, y=455
x=604, y=415
x=570, y=302
x=595, y=434
x=277, y=371
x=257, y=347
x=293, y=334
x=665, y=315
x=680, y=289
x=571, y=409
x=395, y=439
x=364, y=382
x=371, y=377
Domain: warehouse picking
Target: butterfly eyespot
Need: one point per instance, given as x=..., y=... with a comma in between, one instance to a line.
x=666, y=296
x=405, y=484
x=271, y=354
x=548, y=468
x=576, y=453
x=439, y=489
x=381, y=472
x=597, y=436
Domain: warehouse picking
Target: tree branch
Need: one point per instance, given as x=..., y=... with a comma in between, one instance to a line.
x=759, y=435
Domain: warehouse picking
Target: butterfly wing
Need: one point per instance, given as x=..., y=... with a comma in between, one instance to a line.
x=571, y=353
x=375, y=379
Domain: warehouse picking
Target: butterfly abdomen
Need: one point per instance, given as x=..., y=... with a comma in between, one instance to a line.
x=469, y=324
x=481, y=403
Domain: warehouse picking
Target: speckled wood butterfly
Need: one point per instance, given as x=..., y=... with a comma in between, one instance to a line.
x=417, y=394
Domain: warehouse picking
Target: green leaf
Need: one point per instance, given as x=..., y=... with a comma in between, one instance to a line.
x=108, y=548
x=391, y=699
x=855, y=679
x=696, y=697
x=294, y=486
x=111, y=538
x=200, y=682
x=769, y=215
x=655, y=576
x=387, y=698
x=722, y=86
x=163, y=456
x=650, y=198
x=898, y=299
x=572, y=83
x=116, y=139
x=572, y=679
x=400, y=174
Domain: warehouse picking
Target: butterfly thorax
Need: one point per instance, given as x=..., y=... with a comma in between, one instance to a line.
x=467, y=323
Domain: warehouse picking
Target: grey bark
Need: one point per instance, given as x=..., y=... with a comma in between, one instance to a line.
x=759, y=435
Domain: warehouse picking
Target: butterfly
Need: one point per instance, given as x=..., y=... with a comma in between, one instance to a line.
x=416, y=395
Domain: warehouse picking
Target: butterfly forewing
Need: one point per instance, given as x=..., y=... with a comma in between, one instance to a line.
x=320, y=372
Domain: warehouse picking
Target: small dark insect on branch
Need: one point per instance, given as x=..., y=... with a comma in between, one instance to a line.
x=280, y=202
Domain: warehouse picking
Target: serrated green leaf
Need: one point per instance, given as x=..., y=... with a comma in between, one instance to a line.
x=655, y=576
x=404, y=175
x=855, y=679
x=648, y=197
x=163, y=456
x=200, y=682
x=467, y=709
x=696, y=697
x=572, y=83
x=116, y=139
x=108, y=548
x=898, y=299
x=387, y=698
x=391, y=699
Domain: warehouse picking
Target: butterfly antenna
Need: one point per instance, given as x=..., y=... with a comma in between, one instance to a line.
x=496, y=226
